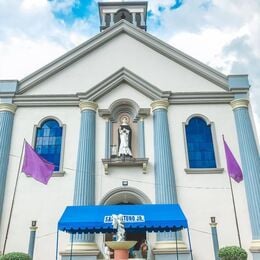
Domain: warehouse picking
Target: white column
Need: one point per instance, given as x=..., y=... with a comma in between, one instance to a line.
x=103, y=22
x=142, y=19
x=111, y=19
x=134, y=19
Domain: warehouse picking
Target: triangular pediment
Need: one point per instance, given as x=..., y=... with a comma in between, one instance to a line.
x=119, y=77
x=123, y=27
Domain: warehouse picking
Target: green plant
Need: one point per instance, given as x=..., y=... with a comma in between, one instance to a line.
x=232, y=253
x=15, y=256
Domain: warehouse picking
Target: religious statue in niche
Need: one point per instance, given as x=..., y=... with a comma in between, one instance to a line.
x=124, y=138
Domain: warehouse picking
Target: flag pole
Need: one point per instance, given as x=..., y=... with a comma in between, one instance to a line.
x=235, y=211
x=13, y=199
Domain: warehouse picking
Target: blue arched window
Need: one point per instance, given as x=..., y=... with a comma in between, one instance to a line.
x=48, y=142
x=199, y=143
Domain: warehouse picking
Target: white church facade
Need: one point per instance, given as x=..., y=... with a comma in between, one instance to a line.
x=125, y=85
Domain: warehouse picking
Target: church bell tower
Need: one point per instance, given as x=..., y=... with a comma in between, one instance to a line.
x=112, y=12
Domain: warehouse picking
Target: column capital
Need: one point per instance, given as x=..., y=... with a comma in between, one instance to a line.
x=160, y=104
x=239, y=103
x=33, y=228
x=88, y=105
x=8, y=107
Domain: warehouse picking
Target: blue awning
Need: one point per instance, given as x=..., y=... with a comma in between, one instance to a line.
x=145, y=217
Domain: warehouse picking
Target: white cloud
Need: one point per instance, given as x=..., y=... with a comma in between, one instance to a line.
x=32, y=4
x=32, y=36
x=21, y=56
x=223, y=34
x=63, y=6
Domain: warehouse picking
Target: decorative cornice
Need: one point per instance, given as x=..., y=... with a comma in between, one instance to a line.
x=174, y=99
x=72, y=100
x=7, y=107
x=237, y=103
x=123, y=75
x=160, y=104
x=88, y=105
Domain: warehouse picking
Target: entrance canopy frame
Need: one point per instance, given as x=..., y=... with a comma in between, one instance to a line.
x=144, y=217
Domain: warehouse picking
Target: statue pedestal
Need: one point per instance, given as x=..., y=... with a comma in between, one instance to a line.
x=121, y=248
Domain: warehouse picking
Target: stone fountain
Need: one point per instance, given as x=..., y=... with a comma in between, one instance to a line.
x=120, y=246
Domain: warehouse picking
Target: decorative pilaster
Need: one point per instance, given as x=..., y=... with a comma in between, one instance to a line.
x=214, y=235
x=33, y=229
x=84, y=193
x=165, y=187
x=6, y=124
x=108, y=140
x=141, y=142
x=250, y=162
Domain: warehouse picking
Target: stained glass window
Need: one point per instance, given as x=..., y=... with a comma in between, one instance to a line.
x=48, y=142
x=199, y=143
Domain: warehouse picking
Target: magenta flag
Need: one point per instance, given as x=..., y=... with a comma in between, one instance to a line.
x=234, y=170
x=35, y=166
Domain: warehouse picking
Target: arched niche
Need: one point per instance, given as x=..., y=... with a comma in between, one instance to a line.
x=124, y=108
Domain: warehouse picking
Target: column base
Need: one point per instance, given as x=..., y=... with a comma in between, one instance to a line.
x=255, y=246
x=165, y=250
x=162, y=247
x=81, y=251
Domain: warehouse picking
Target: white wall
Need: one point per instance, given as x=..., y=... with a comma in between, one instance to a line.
x=35, y=201
x=200, y=195
x=124, y=51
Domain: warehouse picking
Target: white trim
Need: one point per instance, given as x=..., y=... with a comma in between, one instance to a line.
x=198, y=115
x=141, y=196
x=214, y=142
x=185, y=144
x=114, y=80
x=48, y=118
x=61, y=172
x=204, y=170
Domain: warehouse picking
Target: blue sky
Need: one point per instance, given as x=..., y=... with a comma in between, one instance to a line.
x=82, y=9
x=219, y=33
